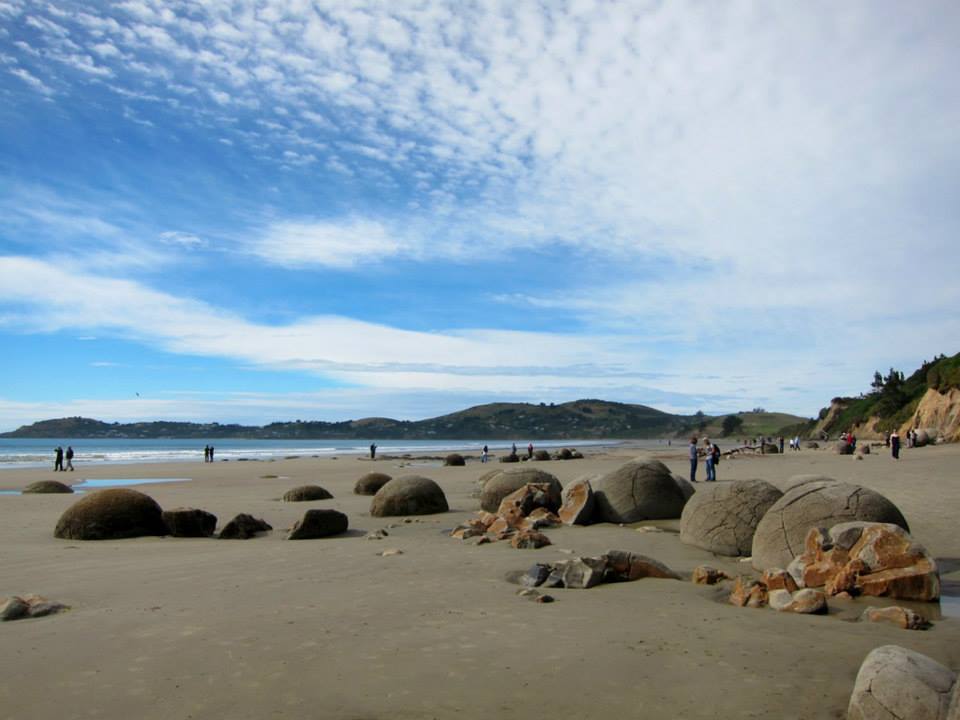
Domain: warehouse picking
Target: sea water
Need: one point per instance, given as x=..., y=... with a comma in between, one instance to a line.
x=39, y=452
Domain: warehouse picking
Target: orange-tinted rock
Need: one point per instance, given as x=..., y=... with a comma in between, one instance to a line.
x=895, y=615
x=578, y=503
x=778, y=579
x=530, y=497
x=806, y=601
x=706, y=575
x=529, y=540
x=486, y=518
x=845, y=580
x=498, y=526
x=626, y=566
x=540, y=518
x=747, y=592
x=462, y=532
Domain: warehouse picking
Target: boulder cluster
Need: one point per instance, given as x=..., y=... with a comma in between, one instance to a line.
x=587, y=572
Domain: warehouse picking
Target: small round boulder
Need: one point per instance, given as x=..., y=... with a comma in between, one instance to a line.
x=780, y=534
x=47, y=486
x=110, y=515
x=541, y=455
x=504, y=482
x=409, y=495
x=306, y=493
x=642, y=489
x=190, y=522
x=722, y=517
x=319, y=523
x=370, y=483
x=454, y=460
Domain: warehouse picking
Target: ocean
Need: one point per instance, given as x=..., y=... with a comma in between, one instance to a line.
x=39, y=452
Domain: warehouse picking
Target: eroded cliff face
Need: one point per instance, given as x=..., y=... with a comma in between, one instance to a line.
x=940, y=412
x=825, y=427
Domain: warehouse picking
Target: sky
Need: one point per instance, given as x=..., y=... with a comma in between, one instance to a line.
x=258, y=211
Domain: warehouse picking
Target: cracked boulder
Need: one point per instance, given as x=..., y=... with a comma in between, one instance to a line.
x=642, y=489
x=781, y=532
x=722, y=517
x=577, y=504
x=895, y=683
x=501, y=483
x=409, y=495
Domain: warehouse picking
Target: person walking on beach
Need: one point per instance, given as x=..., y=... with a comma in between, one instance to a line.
x=211, y=453
x=693, y=459
x=781, y=444
x=513, y=449
x=895, y=445
x=530, y=451
x=206, y=453
x=69, y=458
x=58, y=459
x=373, y=451
x=708, y=460
x=483, y=455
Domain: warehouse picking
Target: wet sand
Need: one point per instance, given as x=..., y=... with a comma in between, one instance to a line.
x=268, y=628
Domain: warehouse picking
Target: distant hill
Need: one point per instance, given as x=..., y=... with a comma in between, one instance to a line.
x=582, y=419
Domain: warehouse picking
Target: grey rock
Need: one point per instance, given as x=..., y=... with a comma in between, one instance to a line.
x=409, y=495
x=536, y=575
x=370, y=483
x=643, y=489
x=895, y=683
x=244, y=527
x=501, y=483
x=319, y=523
x=13, y=608
x=780, y=534
x=722, y=517
x=190, y=522
x=577, y=573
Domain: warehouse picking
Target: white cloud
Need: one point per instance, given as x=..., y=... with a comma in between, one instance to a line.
x=183, y=239
x=32, y=80
x=327, y=243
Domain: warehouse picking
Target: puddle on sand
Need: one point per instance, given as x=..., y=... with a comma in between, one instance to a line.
x=950, y=606
x=124, y=482
x=9, y=492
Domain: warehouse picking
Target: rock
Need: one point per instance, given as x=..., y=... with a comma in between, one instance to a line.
x=723, y=517
x=46, y=486
x=811, y=445
x=370, y=483
x=565, y=454
x=454, y=460
x=806, y=601
x=243, y=527
x=624, y=566
x=640, y=490
x=38, y=606
x=511, y=458
x=306, y=493
x=529, y=540
x=409, y=495
x=391, y=552
x=798, y=480
x=472, y=528
x=376, y=535
x=878, y=559
x=895, y=615
x=686, y=487
x=895, y=684
x=577, y=573
x=190, y=522
x=863, y=450
x=924, y=437
x=536, y=575
x=544, y=599
x=317, y=523
x=529, y=498
x=842, y=447
x=576, y=455
x=110, y=515
x=770, y=449
x=780, y=534
x=540, y=518
x=541, y=455
x=503, y=482
x=13, y=608
x=747, y=592
x=577, y=503
x=706, y=575
x=778, y=579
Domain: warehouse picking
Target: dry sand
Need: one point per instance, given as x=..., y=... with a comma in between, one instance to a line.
x=267, y=628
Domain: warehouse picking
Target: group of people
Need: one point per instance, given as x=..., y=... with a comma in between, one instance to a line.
x=58, y=459
x=711, y=453
x=208, y=454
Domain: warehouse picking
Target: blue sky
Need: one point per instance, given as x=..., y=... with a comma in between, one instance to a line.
x=252, y=211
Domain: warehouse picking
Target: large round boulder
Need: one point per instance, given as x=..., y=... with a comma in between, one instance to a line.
x=409, y=495
x=47, y=486
x=370, y=483
x=797, y=480
x=306, y=493
x=895, y=682
x=780, y=534
x=924, y=437
x=110, y=515
x=642, y=489
x=504, y=482
x=454, y=460
x=722, y=517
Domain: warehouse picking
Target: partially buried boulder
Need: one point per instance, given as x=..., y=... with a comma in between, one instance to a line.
x=924, y=437
x=319, y=523
x=370, y=483
x=110, y=515
x=503, y=482
x=722, y=517
x=642, y=489
x=454, y=460
x=190, y=522
x=895, y=683
x=306, y=493
x=244, y=527
x=780, y=534
x=409, y=495
x=46, y=486
x=541, y=455
x=577, y=503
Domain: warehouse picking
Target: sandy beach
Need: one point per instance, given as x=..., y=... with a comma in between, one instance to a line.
x=268, y=628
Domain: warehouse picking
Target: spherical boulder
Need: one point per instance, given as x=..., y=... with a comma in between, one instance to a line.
x=504, y=482
x=511, y=458
x=565, y=454
x=47, y=486
x=319, y=523
x=924, y=437
x=686, y=487
x=541, y=455
x=110, y=515
x=722, y=517
x=643, y=489
x=454, y=460
x=798, y=480
x=370, y=483
x=782, y=530
x=306, y=493
x=190, y=522
x=409, y=495
x=894, y=682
